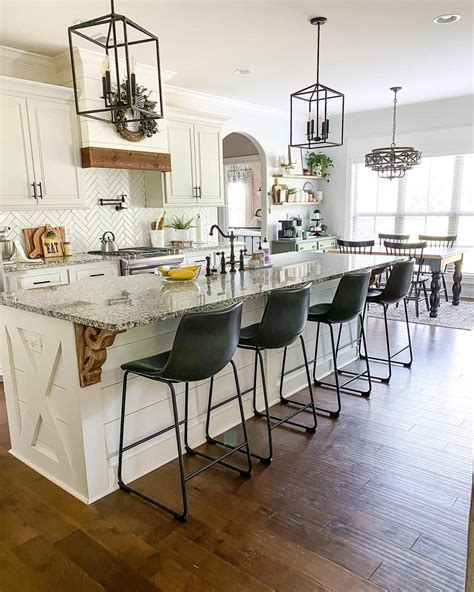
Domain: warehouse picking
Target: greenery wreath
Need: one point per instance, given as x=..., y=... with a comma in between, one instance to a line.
x=148, y=126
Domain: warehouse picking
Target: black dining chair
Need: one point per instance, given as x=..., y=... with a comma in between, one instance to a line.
x=349, y=247
x=397, y=238
x=440, y=241
x=204, y=344
x=347, y=305
x=283, y=322
x=414, y=251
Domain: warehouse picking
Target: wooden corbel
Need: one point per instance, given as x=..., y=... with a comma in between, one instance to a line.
x=91, y=348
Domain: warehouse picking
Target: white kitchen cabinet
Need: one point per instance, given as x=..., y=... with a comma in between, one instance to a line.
x=78, y=273
x=55, y=276
x=16, y=159
x=37, y=278
x=196, y=177
x=40, y=165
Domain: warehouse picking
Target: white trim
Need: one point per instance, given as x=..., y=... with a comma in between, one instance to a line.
x=225, y=101
x=31, y=87
x=239, y=159
x=27, y=58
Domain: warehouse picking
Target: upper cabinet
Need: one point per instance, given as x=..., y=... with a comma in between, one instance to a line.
x=40, y=148
x=196, y=177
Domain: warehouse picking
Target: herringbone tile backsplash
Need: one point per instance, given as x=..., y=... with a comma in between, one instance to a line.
x=85, y=226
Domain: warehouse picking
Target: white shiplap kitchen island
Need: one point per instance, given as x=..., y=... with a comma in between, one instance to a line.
x=63, y=347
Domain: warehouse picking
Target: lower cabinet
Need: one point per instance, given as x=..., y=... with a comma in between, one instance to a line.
x=55, y=276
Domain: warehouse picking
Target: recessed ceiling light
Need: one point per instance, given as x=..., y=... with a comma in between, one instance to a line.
x=243, y=71
x=445, y=19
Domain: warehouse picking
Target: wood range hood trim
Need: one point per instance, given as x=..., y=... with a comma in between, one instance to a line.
x=111, y=158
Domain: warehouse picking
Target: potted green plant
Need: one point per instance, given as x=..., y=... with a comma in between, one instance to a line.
x=319, y=164
x=286, y=167
x=292, y=191
x=181, y=227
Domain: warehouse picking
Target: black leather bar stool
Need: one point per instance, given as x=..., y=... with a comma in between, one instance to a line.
x=396, y=290
x=204, y=344
x=283, y=322
x=348, y=304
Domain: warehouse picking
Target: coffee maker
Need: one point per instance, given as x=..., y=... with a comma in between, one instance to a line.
x=316, y=222
x=288, y=229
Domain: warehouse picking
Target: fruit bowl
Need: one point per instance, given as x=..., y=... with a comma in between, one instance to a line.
x=179, y=275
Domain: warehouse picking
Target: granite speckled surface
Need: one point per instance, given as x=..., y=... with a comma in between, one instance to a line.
x=125, y=302
x=76, y=259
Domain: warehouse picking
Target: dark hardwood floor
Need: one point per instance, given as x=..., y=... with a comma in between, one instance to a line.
x=378, y=499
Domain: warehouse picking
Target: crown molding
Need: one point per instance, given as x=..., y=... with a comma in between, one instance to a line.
x=179, y=91
x=26, y=58
x=31, y=87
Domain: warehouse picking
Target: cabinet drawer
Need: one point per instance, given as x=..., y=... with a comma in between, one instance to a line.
x=80, y=273
x=307, y=246
x=38, y=280
x=326, y=243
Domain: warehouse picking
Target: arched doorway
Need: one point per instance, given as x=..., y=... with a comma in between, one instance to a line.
x=245, y=184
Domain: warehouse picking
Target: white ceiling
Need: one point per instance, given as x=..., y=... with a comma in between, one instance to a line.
x=367, y=46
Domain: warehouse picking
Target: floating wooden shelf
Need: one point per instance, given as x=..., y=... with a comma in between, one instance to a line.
x=280, y=176
x=110, y=158
x=298, y=203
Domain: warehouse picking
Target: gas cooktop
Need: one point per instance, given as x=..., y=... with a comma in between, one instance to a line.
x=138, y=252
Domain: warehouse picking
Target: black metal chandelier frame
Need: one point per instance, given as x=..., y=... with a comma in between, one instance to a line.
x=393, y=161
x=317, y=97
x=124, y=96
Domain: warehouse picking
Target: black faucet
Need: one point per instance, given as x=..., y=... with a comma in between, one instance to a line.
x=231, y=237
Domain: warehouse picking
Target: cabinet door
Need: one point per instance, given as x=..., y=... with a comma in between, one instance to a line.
x=56, y=153
x=181, y=181
x=16, y=162
x=209, y=165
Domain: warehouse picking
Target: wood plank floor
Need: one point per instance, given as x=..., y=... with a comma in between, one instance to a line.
x=377, y=499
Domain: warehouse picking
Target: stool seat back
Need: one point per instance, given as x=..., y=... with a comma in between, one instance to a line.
x=205, y=342
x=284, y=318
x=399, y=282
x=349, y=299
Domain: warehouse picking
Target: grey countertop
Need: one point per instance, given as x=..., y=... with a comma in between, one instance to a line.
x=130, y=301
x=76, y=259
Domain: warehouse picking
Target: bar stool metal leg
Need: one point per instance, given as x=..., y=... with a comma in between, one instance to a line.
x=181, y=516
x=305, y=406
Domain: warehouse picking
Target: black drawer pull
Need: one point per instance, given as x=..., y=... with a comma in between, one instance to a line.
x=96, y=274
x=42, y=282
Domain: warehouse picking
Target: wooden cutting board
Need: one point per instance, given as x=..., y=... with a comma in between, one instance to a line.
x=34, y=244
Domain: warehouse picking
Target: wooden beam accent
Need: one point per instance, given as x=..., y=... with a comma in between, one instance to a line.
x=91, y=344
x=109, y=158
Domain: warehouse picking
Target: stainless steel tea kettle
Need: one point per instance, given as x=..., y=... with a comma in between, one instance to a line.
x=108, y=244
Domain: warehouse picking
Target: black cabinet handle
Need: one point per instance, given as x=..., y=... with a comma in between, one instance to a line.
x=41, y=190
x=195, y=192
x=200, y=193
x=34, y=191
x=96, y=274
x=42, y=282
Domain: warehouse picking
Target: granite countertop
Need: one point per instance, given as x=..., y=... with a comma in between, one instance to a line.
x=76, y=259
x=130, y=301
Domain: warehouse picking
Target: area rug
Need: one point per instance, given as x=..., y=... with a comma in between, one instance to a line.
x=455, y=317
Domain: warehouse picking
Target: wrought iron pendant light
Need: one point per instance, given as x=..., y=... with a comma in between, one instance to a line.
x=117, y=37
x=322, y=105
x=393, y=161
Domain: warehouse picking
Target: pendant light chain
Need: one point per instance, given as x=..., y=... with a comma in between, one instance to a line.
x=394, y=128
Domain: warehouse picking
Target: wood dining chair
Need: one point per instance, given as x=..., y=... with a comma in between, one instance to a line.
x=440, y=241
x=350, y=247
x=414, y=251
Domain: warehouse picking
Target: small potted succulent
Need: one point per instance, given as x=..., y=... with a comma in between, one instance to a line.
x=181, y=227
x=319, y=164
x=292, y=192
x=286, y=167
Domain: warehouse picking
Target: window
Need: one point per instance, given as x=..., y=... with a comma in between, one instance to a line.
x=436, y=197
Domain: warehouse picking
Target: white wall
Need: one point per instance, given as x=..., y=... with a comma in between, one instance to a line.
x=434, y=127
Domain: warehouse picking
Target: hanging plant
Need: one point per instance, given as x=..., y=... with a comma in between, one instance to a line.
x=147, y=126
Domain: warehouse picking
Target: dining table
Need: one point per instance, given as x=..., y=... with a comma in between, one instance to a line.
x=436, y=260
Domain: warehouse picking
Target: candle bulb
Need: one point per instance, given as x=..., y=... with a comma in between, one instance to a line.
x=133, y=78
x=106, y=77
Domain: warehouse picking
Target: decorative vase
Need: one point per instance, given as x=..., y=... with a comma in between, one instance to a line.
x=182, y=234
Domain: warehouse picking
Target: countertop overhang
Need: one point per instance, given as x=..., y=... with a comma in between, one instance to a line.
x=117, y=304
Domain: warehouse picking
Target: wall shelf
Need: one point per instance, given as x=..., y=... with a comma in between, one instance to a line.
x=297, y=203
x=281, y=176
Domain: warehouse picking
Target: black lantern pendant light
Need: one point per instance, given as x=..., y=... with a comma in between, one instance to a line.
x=393, y=161
x=321, y=104
x=120, y=95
